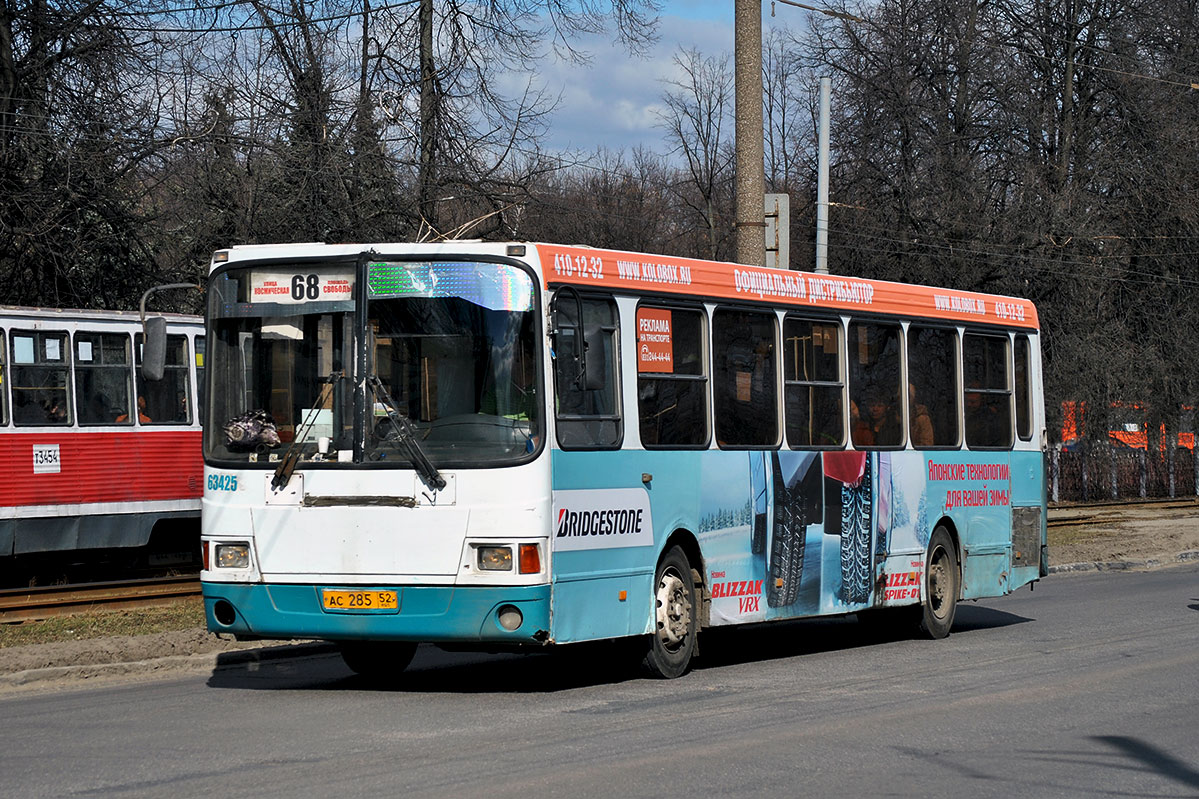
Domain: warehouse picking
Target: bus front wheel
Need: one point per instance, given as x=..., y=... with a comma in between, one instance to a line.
x=673, y=641
x=378, y=660
x=941, y=583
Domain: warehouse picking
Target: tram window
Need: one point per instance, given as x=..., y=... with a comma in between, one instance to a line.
x=932, y=387
x=40, y=378
x=588, y=416
x=3, y=383
x=744, y=378
x=814, y=399
x=875, y=397
x=988, y=395
x=102, y=377
x=165, y=401
x=1023, y=395
x=200, y=388
x=672, y=384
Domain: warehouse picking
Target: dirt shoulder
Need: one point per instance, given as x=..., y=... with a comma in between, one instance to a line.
x=1115, y=537
x=1133, y=536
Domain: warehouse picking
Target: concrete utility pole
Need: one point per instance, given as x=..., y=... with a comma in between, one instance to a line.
x=751, y=179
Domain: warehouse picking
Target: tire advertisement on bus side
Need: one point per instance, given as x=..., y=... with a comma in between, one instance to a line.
x=790, y=533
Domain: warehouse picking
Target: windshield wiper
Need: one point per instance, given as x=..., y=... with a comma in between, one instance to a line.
x=404, y=434
x=287, y=464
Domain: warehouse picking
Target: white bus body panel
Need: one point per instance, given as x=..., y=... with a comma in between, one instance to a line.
x=360, y=544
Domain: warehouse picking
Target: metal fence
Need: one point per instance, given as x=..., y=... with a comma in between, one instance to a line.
x=1101, y=471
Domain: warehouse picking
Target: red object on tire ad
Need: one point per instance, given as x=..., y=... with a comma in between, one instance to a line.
x=846, y=467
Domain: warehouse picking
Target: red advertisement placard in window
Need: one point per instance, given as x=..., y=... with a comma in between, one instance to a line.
x=655, y=348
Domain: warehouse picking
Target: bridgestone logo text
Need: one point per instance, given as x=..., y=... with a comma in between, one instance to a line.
x=599, y=522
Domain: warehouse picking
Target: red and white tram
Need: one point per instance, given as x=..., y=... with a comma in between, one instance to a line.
x=94, y=458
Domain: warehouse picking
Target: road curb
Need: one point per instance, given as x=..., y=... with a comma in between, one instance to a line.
x=1124, y=565
x=218, y=661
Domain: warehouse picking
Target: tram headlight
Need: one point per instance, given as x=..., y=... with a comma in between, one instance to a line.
x=495, y=559
x=233, y=556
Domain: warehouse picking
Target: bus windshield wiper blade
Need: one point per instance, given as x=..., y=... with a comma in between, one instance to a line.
x=287, y=464
x=405, y=437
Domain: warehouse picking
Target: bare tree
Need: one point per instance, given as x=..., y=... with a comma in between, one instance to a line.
x=696, y=121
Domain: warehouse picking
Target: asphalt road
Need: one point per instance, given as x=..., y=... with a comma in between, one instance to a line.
x=1088, y=686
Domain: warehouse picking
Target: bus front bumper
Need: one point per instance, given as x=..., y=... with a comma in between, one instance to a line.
x=437, y=614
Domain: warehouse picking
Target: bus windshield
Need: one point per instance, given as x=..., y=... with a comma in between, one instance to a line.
x=453, y=348
x=450, y=352
x=281, y=361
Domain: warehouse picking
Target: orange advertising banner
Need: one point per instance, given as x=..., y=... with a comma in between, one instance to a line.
x=642, y=273
x=655, y=350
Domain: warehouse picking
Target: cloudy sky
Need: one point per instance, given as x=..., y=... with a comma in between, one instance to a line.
x=612, y=101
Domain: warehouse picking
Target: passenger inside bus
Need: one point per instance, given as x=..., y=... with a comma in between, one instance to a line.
x=879, y=426
x=921, y=421
x=984, y=425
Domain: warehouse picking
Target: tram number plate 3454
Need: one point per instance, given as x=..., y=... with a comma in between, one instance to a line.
x=359, y=601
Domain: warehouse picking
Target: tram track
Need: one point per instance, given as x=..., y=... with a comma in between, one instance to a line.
x=1120, y=510
x=33, y=604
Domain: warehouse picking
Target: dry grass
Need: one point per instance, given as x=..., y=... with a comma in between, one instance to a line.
x=181, y=615
x=1077, y=534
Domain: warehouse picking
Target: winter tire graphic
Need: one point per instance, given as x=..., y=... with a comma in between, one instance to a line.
x=787, y=544
x=757, y=490
x=856, y=552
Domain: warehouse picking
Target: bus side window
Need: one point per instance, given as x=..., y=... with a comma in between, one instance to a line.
x=101, y=377
x=40, y=378
x=588, y=416
x=815, y=388
x=874, y=390
x=1023, y=394
x=744, y=378
x=933, y=387
x=988, y=393
x=672, y=383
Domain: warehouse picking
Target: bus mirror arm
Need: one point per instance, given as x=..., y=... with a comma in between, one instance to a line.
x=154, y=330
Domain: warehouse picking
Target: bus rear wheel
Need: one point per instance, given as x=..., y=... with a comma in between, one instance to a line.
x=378, y=660
x=672, y=643
x=941, y=584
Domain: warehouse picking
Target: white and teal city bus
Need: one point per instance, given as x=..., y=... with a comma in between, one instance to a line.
x=510, y=444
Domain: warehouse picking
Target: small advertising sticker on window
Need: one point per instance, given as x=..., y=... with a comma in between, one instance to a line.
x=655, y=349
x=46, y=459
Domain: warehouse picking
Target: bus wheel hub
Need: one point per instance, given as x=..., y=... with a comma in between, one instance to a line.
x=674, y=609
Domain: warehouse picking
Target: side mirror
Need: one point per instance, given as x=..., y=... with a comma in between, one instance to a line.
x=154, y=348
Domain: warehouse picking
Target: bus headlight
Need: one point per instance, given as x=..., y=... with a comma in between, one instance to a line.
x=233, y=556
x=495, y=559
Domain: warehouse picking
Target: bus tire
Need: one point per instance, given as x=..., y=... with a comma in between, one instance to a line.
x=942, y=581
x=675, y=620
x=856, y=550
x=378, y=660
x=788, y=543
